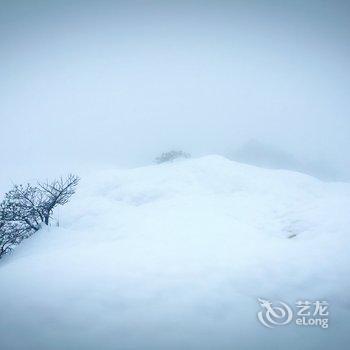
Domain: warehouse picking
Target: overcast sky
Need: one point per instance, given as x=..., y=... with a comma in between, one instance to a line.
x=86, y=83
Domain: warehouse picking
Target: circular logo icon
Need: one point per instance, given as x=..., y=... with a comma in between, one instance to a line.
x=271, y=316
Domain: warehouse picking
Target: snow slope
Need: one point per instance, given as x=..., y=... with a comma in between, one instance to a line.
x=174, y=256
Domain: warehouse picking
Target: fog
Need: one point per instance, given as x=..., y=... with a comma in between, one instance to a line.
x=174, y=256
x=99, y=83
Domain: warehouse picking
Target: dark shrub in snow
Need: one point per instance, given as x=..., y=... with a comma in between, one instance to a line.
x=171, y=155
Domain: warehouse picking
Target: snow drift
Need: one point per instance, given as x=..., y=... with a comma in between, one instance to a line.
x=174, y=256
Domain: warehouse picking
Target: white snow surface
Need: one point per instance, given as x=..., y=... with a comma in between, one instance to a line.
x=174, y=256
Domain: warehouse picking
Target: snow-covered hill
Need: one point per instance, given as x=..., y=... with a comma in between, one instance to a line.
x=174, y=256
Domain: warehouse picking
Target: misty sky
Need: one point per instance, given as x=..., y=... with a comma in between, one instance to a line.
x=112, y=82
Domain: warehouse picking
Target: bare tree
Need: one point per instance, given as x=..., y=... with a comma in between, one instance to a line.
x=26, y=208
x=56, y=193
x=23, y=205
x=11, y=232
x=10, y=236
